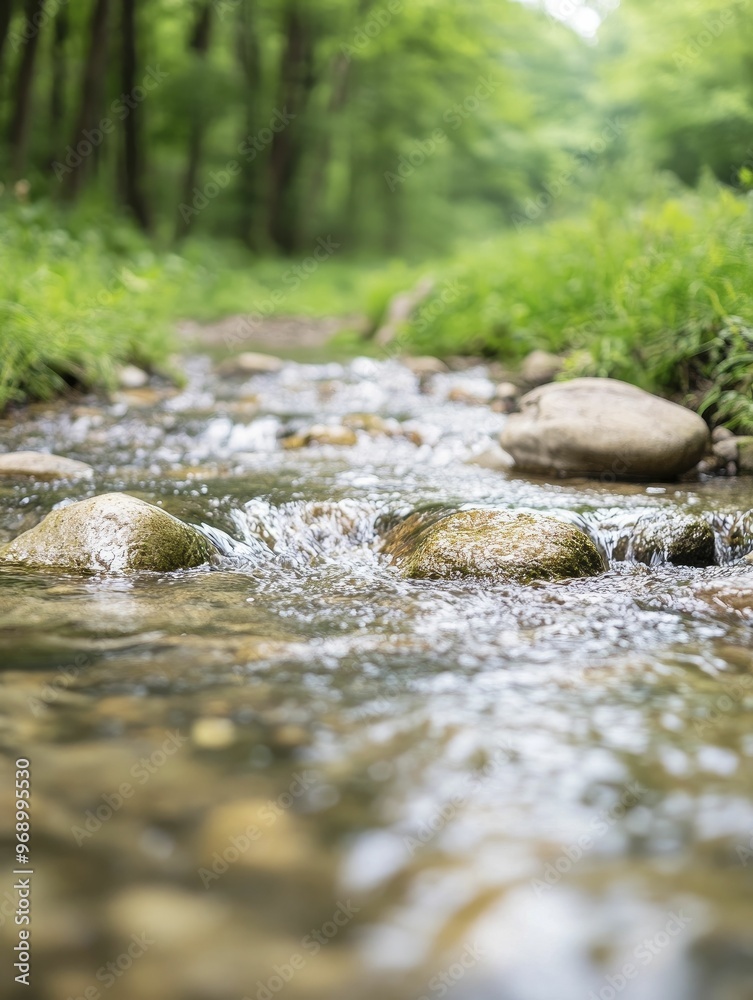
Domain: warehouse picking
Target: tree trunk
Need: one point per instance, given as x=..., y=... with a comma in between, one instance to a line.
x=249, y=56
x=199, y=43
x=92, y=90
x=341, y=74
x=6, y=9
x=296, y=83
x=18, y=133
x=57, y=83
x=132, y=160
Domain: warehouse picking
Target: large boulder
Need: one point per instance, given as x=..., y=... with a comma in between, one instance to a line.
x=112, y=533
x=41, y=465
x=604, y=428
x=494, y=544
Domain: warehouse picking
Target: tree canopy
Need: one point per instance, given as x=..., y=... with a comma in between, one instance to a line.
x=388, y=124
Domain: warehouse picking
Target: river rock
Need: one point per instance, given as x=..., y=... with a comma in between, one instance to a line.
x=605, y=428
x=744, y=455
x=540, y=367
x=131, y=377
x=506, y=397
x=726, y=451
x=493, y=457
x=659, y=537
x=40, y=465
x=324, y=434
x=495, y=544
x=112, y=533
x=424, y=365
x=250, y=363
x=721, y=434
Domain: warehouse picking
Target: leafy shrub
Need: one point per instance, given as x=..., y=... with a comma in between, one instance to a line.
x=660, y=296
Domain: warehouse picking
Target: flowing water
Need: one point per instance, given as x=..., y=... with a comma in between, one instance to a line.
x=296, y=774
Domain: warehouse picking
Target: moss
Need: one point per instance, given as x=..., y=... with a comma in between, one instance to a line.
x=682, y=541
x=113, y=533
x=498, y=545
x=163, y=546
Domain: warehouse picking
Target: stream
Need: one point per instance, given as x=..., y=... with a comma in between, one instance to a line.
x=294, y=773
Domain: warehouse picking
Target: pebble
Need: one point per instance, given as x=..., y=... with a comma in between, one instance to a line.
x=213, y=733
x=250, y=363
x=425, y=365
x=275, y=841
x=131, y=377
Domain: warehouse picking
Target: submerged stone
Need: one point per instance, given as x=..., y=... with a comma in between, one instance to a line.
x=112, y=533
x=494, y=544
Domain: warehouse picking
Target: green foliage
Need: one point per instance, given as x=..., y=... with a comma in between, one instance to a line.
x=724, y=366
x=71, y=307
x=366, y=87
x=547, y=176
x=659, y=296
x=78, y=299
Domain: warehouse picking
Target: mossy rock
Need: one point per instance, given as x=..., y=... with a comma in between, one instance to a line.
x=665, y=537
x=112, y=533
x=498, y=545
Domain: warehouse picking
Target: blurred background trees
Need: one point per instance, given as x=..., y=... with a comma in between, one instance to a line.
x=580, y=169
x=291, y=116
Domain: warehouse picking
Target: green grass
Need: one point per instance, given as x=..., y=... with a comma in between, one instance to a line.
x=659, y=295
x=81, y=294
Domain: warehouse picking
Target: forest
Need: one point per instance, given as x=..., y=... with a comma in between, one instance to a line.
x=174, y=154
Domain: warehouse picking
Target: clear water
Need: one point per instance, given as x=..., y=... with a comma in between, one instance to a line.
x=478, y=791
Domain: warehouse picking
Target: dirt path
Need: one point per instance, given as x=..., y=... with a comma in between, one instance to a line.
x=288, y=336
